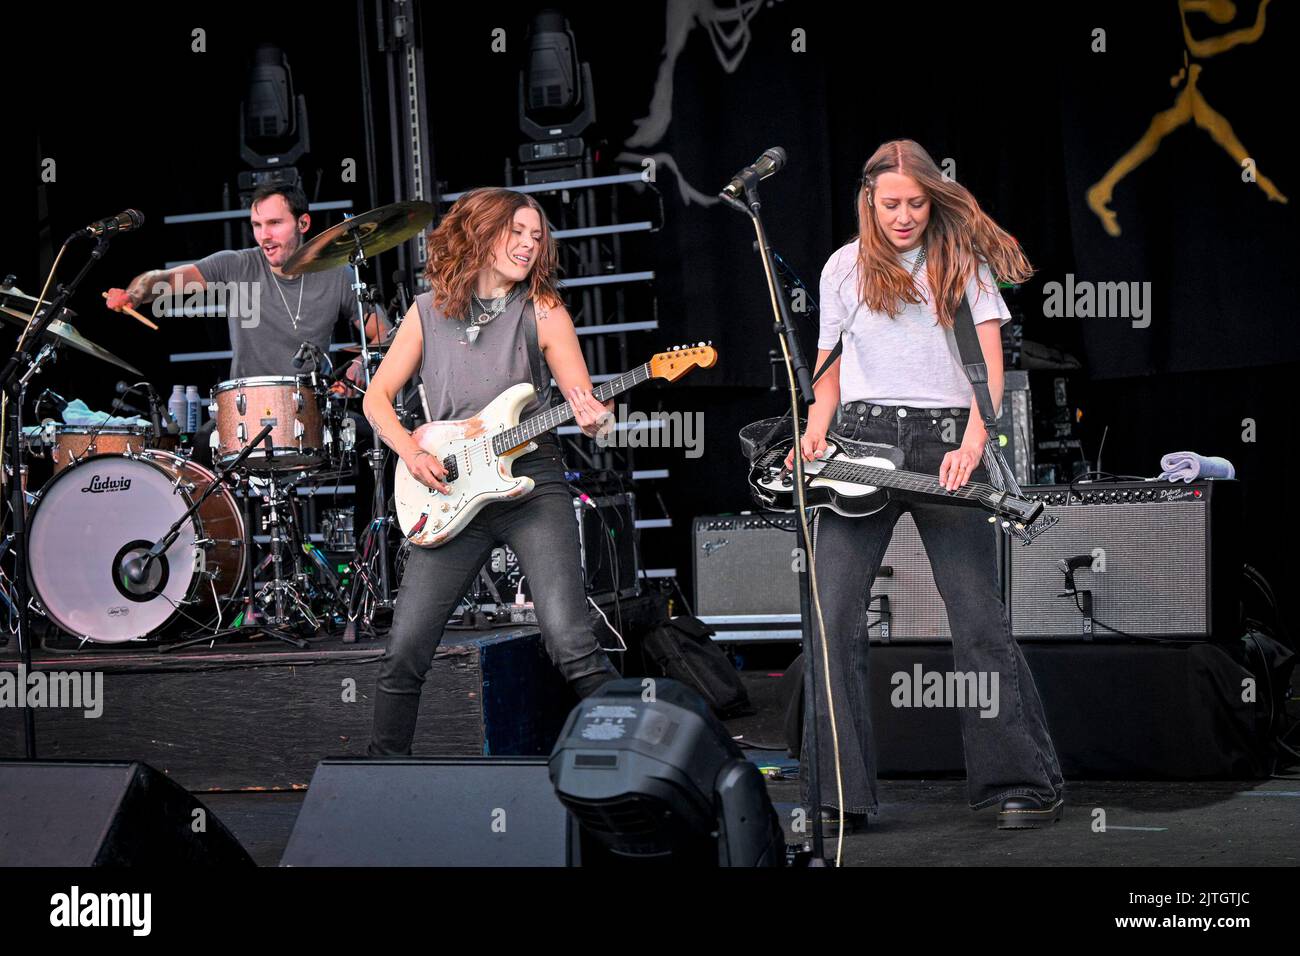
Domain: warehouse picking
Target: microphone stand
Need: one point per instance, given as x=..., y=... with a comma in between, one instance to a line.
x=23, y=363
x=798, y=370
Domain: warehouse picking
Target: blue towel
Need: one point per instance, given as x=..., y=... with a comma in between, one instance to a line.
x=1188, y=466
x=79, y=413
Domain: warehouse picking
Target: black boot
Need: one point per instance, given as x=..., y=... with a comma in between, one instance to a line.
x=853, y=822
x=1028, y=813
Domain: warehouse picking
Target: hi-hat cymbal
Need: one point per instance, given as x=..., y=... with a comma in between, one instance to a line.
x=16, y=302
x=70, y=336
x=377, y=231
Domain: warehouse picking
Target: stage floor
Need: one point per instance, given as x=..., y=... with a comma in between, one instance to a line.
x=927, y=823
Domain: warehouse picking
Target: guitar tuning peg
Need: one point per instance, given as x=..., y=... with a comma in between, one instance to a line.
x=1006, y=524
x=992, y=518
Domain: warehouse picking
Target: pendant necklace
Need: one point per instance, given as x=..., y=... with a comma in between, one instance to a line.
x=292, y=317
x=486, y=314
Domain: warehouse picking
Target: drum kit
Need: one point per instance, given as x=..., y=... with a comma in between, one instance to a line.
x=131, y=539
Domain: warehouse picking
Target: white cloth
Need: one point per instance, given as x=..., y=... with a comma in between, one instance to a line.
x=906, y=360
x=1188, y=466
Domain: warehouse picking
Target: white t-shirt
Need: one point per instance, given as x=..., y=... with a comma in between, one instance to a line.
x=909, y=359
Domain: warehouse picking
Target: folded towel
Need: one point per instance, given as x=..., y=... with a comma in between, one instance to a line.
x=1188, y=466
x=79, y=413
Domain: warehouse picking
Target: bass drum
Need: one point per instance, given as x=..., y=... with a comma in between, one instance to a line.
x=94, y=517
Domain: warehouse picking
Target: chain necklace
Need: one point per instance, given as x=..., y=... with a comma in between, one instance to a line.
x=920, y=261
x=487, y=315
x=292, y=316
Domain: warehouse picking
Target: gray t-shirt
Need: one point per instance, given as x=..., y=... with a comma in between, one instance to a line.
x=906, y=359
x=262, y=333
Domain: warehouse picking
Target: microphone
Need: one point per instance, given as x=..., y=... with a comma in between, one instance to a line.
x=124, y=389
x=769, y=163
x=305, y=353
x=125, y=221
x=121, y=406
x=54, y=398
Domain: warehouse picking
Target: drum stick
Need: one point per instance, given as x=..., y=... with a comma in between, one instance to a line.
x=133, y=313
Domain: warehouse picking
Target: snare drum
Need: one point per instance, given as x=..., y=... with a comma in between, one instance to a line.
x=93, y=518
x=288, y=403
x=75, y=443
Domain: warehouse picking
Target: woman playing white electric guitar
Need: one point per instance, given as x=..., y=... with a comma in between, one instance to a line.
x=492, y=320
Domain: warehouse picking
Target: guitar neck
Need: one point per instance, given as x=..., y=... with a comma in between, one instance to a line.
x=974, y=491
x=557, y=415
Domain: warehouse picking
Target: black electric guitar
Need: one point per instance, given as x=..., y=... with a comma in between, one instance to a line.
x=863, y=482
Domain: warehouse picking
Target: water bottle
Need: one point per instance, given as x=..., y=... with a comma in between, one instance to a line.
x=176, y=406
x=193, y=409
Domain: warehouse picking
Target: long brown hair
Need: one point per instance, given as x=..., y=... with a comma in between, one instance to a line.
x=958, y=235
x=461, y=247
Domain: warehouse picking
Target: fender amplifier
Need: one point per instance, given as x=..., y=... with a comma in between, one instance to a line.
x=745, y=570
x=1154, y=559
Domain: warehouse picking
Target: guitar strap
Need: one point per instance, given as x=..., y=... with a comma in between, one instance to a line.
x=972, y=362
x=534, y=354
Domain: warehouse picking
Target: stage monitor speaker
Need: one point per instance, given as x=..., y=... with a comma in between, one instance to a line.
x=1165, y=561
x=83, y=813
x=431, y=811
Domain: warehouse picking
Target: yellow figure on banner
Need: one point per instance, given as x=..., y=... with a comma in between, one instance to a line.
x=1189, y=106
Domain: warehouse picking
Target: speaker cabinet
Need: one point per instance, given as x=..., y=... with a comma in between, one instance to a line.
x=83, y=813
x=452, y=811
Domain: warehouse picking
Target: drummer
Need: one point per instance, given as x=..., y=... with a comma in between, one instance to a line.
x=276, y=313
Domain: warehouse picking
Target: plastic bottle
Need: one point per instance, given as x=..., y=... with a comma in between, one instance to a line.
x=176, y=406
x=193, y=409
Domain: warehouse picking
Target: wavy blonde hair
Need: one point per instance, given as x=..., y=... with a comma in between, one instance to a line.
x=461, y=247
x=957, y=237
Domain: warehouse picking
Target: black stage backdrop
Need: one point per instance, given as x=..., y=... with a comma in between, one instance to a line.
x=1019, y=98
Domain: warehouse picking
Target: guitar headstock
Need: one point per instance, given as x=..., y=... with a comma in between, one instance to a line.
x=675, y=363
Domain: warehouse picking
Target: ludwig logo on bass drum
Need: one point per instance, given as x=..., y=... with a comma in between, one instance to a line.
x=99, y=485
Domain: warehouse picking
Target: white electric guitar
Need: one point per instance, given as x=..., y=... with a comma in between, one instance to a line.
x=477, y=452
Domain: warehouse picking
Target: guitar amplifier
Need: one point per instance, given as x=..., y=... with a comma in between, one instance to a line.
x=745, y=566
x=745, y=569
x=1164, y=560
x=607, y=541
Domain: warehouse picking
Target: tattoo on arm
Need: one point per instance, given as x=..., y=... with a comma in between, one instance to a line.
x=379, y=432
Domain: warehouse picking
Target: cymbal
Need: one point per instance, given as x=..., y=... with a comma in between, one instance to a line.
x=70, y=336
x=377, y=230
x=18, y=303
x=373, y=347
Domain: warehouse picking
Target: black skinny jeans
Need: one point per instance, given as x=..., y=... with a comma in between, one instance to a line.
x=1010, y=754
x=542, y=530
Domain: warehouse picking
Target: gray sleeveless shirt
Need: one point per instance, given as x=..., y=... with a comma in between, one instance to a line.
x=460, y=376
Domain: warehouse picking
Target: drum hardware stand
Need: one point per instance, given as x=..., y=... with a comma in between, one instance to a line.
x=377, y=529
x=142, y=563
x=23, y=363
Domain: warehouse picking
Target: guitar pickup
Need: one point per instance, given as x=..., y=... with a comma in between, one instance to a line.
x=452, y=471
